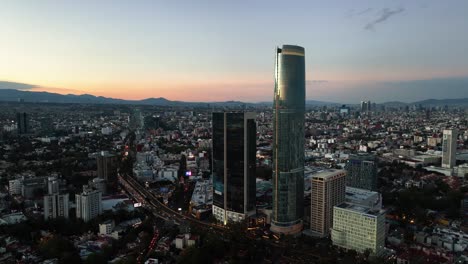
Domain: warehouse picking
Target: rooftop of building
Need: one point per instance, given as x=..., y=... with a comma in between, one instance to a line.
x=359, y=194
x=360, y=209
x=202, y=193
x=292, y=50
x=328, y=173
x=362, y=156
x=105, y=154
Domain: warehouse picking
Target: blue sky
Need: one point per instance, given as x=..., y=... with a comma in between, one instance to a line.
x=224, y=50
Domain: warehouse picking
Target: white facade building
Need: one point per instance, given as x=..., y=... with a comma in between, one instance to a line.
x=358, y=228
x=106, y=228
x=449, y=148
x=15, y=186
x=88, y=204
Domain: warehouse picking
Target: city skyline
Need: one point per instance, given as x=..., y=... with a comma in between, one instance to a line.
x=265, y=131
x=368, y=50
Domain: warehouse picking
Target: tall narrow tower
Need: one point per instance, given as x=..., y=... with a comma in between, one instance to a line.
x=288, y=140
x=449, y=148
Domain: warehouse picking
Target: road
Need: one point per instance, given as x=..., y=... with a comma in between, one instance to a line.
x=147, y=198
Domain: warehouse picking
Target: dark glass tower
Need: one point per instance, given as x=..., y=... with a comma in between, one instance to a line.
x=234, y=149
x=22, y=119
x=362, y=171
x=288, y=140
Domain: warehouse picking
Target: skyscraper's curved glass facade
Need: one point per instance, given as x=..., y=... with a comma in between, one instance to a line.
x=288, y=140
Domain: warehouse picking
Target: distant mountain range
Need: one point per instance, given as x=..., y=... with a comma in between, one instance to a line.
x=13, y=95
x=432, y=102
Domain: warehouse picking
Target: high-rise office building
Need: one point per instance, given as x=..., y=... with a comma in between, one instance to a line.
x=327, y=190
x=88, y=204
x=362, y=171
x=53, y=185
x=288, y=140
x=449, y=148
x=234, y=150
x=30, y=187
x=22, y=121
x=98, y=184
x=356, y=227
x=363, y=106
x=107, y=166
x=367, y=106
x=56, y=205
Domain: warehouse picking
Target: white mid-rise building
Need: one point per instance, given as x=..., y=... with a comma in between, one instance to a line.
x=98, y=184
x=88, y=204
x=56, y=205
x=15, y=186
x=107, y=227
x=106, y=130
x=358, y=228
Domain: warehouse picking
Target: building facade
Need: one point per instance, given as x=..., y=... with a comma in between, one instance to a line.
x=363, y=197
x=362, y=171
x=15, y=186
x=53, y=185
x=288, y=140
x=98, y=184
x=358, y=228
x=22, y=121
x=30, y=187
x=234, y=149
x=56, y=205
x=449, y=148
x=88, y=204
x=327, y=190
x=107, y=166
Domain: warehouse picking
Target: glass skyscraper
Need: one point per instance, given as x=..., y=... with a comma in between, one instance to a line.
x=362, y=171
x=288, y=140
x=234, y=149
x=22, y=120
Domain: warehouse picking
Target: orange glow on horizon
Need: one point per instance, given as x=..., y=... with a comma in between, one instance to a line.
x=243, y=88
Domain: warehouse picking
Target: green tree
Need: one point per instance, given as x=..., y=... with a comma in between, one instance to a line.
x=95, y=258
x=61, y=248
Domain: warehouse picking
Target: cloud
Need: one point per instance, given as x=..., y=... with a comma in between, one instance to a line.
x=353, y=13
x=362, y=12
x=56, y=90
x=16, y=85
x=384, y=15
x=36, y=88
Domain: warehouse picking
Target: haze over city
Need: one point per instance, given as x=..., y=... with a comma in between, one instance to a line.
x=219, y=50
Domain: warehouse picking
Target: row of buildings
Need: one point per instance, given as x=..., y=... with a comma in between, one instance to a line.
x=55, y=197
x=234, y=163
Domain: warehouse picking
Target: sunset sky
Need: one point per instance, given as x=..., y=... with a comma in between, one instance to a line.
x=224, y=50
